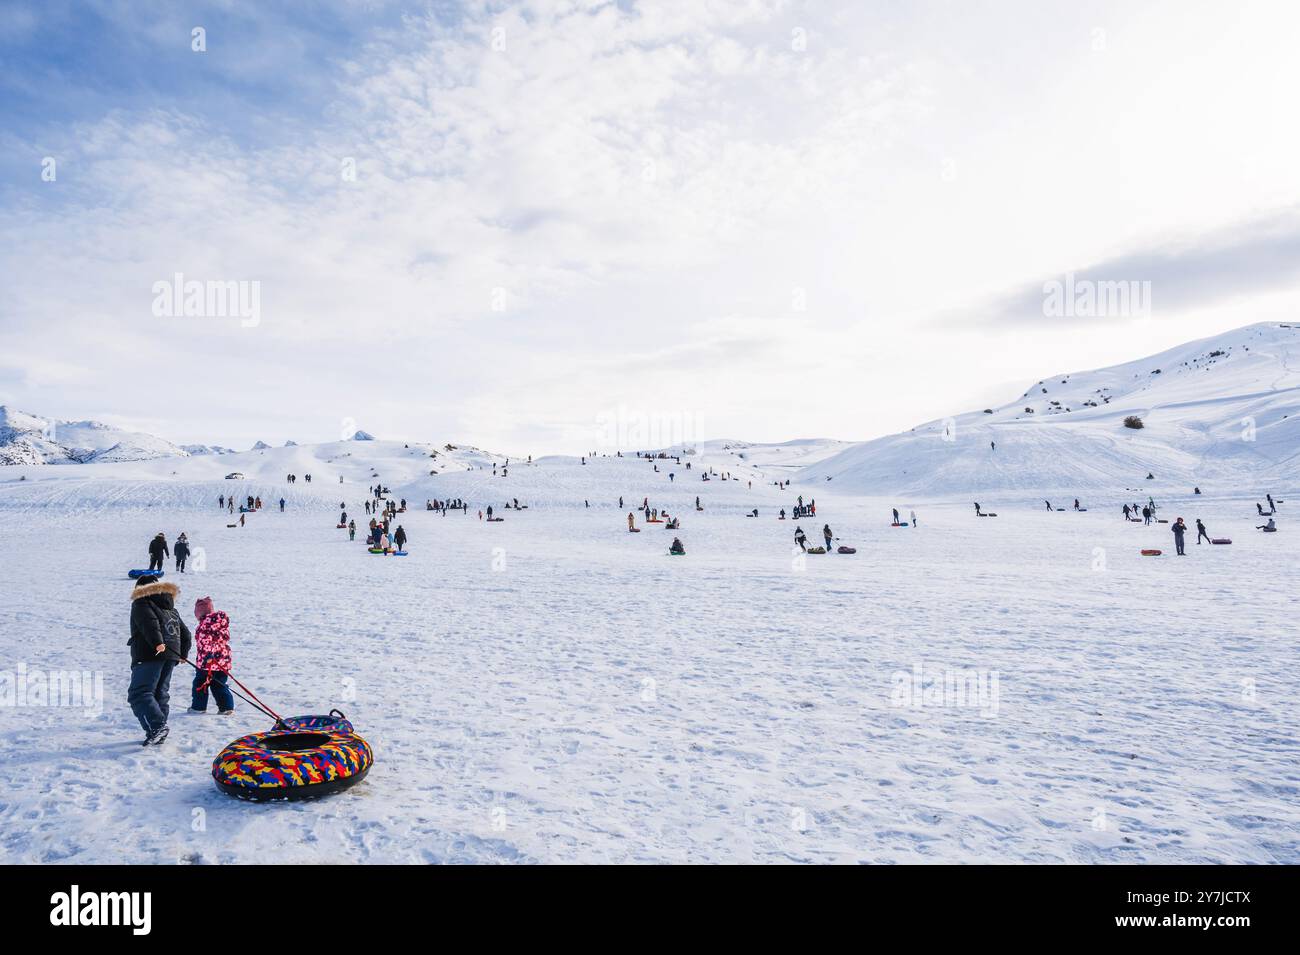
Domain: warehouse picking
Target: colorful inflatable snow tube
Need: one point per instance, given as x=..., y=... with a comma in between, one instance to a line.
x=302, y=758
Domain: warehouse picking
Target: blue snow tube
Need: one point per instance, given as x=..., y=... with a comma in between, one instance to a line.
x=138, y=573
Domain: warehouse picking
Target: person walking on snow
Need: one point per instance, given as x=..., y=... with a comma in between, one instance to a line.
x=801, y=539
x=1201, y=532
x=400, y=538
x=1179, y=529
x=212, y=657
x=281, y=505
x=913, y=513
x=826, y=533
x=157, y=551
x=159, y=640
x=181, y=552
x=352, y=530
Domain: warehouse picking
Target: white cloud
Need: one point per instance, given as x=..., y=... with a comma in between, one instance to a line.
x=648, y=194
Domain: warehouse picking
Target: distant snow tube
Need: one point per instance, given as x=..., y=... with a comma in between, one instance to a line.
x=816, y=550
x=137, y=573
x=1220, y=540
x=399, y=553
x=1151, y=552
x=375, y=550
x=1162, y=520
x=340, y=526
x=1269, y=530
x=846, y=550
x=302, y=758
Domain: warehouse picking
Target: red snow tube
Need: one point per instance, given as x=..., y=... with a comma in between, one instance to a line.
x=1151, y=552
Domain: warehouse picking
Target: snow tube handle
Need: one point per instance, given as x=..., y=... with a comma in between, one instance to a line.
x=338, y=713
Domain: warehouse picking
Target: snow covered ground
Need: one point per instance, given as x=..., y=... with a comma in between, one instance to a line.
x=554, y=689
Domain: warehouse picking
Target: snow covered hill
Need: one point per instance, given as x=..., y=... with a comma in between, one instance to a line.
x=27, y=439
x=1222, y=413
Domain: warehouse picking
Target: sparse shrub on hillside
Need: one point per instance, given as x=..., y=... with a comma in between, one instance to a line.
x=988, y=410
x=1134, y=422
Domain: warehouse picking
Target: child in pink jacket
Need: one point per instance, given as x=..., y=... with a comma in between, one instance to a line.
x=212, y=657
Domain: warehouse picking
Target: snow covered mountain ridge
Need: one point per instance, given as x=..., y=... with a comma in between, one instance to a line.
x=27, y=439
x=1221, y=412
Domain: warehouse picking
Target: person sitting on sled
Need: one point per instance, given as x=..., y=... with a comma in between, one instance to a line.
x=676, y=547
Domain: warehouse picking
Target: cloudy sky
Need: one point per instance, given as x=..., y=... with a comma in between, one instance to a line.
x=511, y=223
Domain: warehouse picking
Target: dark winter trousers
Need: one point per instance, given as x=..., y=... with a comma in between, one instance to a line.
x=180, y=564
x=1178, y=542
x=1201, y=534
x=155, y=563
x=221, y=694
x=149, y=692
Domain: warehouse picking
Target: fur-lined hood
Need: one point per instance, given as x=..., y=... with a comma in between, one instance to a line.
x=157, y=587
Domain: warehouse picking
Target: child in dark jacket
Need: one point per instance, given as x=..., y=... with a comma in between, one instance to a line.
x=212, y=657
x=159, y=640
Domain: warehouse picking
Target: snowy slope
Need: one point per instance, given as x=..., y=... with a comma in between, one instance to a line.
x=1221, y=413
x=197, y=480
